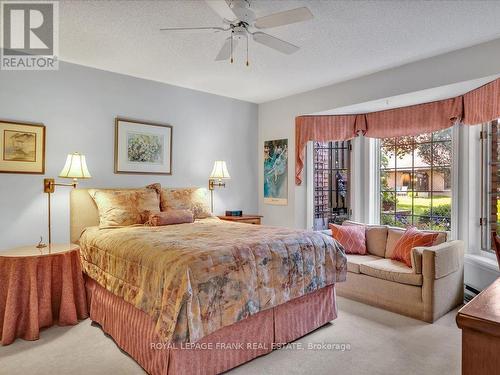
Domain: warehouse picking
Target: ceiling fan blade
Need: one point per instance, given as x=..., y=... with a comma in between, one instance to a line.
x=195, y=30
x=221, y=7
x=284, y=18
x=275, y=43
x=225, y=51
x=241, y=8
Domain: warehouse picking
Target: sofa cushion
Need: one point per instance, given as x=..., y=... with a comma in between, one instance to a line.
x=394, y=234
x=376, y=237
x=391, y=270
x=410, y=239
x=354, y=260
x=352, y=238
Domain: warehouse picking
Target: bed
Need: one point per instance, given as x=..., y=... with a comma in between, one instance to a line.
x=205, y=297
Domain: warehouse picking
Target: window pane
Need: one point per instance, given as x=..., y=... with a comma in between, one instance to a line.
x=339, y=158
x=322, y=178
x=331, y=183
x=387, y=180
x=404, y=151
x=416, y=190
x=422, y=155
x=387, y=157
x=422, y=222
x=441, y=211
x=421, y=180
x=441, y=180
x=442, y=135
x=422, y=204
x=386, y=219
x=386, y=142
x=402, y=220
x=441, y=153
x=388, y=201
x=404, y=204
x=422, y=138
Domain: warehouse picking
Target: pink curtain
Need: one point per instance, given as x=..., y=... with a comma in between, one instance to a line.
x=415, y=119
x=321, y=129
x=475, y=107
x=482, y=104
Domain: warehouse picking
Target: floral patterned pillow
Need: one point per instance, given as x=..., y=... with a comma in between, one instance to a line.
x=123, y=207
x=194, y=199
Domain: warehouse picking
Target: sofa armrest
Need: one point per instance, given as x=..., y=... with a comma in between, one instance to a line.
x=438, y=261
x=416, y=259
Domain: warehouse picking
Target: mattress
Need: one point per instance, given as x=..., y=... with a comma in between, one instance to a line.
x=194, y=279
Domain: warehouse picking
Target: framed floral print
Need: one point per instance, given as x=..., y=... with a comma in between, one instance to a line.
x=22, y=147
x=142, y=147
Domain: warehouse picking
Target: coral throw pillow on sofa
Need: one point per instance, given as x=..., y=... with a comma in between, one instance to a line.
x=351, y=237
x=411, y=238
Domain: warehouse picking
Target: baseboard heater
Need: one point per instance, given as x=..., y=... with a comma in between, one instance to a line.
x=470, y=292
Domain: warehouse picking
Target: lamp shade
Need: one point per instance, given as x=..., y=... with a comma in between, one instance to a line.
x=220, y=170
x=75, y=167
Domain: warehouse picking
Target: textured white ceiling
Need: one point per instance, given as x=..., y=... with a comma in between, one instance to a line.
x=346, y=39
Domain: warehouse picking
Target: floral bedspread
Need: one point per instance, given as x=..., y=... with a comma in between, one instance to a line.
x=193, y=279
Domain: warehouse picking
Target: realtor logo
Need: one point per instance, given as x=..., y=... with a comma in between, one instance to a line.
x=29, y=35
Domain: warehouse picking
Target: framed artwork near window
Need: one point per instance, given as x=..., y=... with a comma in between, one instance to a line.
x=276, y=172
x=142, y=147
x=22, y=147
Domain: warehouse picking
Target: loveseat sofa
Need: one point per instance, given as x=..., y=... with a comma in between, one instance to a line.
x=426, y=291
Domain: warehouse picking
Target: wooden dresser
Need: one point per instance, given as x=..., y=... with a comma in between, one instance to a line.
x=480, y=324
x=248, y=219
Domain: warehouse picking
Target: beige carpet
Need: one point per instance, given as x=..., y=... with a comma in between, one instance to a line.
x=380, y=343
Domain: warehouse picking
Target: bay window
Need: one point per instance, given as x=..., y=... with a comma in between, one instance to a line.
x=416, y=180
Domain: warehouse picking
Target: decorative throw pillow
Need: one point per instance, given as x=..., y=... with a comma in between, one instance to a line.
x=123, y=207
x=170, y=217
x=411, y=238
x=351, y=237
x=194, y=199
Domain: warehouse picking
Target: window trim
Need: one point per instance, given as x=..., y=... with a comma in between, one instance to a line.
x=486, y=223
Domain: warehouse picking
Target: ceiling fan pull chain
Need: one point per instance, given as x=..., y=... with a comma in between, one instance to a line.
x=247, y=51
x=232, y=32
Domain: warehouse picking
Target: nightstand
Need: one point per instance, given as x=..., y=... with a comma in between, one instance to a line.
x=247, y=219
x=45, y=287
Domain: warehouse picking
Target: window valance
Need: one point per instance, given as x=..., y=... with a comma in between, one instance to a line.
x=322, y=129
x=475, y=107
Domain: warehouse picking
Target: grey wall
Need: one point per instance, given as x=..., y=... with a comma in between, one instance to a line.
x=277, y=118
x=78, y=106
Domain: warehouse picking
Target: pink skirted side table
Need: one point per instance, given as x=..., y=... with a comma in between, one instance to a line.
x=39, y=288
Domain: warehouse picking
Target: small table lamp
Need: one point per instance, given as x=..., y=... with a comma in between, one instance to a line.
x=219, y=173
x=75, y=168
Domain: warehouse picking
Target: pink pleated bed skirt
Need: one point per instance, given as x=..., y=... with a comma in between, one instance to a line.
x=133, y=331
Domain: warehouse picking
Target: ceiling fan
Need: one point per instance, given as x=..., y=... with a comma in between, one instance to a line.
x=240, y=21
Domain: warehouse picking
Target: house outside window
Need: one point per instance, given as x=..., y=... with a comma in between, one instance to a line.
x=331, y=183
x=416, y=180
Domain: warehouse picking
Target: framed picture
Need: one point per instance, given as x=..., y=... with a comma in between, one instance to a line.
x=276, y=172
x=142, y=147
x=22, y=147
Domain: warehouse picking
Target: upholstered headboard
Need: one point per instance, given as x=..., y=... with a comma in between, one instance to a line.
x=83, y=213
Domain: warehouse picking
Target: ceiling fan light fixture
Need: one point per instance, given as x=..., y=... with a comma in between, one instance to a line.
x=240, y=20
